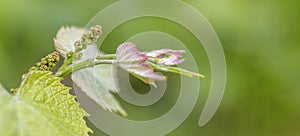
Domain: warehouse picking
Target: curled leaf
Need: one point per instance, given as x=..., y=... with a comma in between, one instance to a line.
x=135, y=62
x=166, y=57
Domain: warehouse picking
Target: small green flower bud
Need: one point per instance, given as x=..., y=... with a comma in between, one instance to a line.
x=70, y=54
x=38, y=64
x=44, y=62
x=44, y=67
x=33, y=68
x=78, y=55
x=77, y=43
x=90, y=34
x=57, y=59
x=13, y=91
x=50, y=60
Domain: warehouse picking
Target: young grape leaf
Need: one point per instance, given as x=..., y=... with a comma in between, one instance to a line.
x=65, y=39
x=97, y=82
x=41, y=106
x=135, y=62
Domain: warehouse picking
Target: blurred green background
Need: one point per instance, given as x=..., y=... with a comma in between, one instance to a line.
x=260, y=39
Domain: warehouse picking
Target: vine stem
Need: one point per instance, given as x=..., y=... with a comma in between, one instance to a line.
x=107, y=56
x=82, y=65
x=67, y=62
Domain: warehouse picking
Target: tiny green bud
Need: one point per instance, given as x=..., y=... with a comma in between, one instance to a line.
x=57, y=59
x=50, y=60
x=33, y=68
x=44, y=62
x=70, y=54
x=44, y=67
x=13, y=91
x=78, y=55
x=38, y=64
x=77, y=43
x=90, y=33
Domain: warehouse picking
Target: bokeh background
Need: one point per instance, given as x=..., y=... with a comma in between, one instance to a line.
x=260, y=39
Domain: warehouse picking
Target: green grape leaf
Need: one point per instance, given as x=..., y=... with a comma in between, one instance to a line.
x=41, y=106
x=97, y=83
